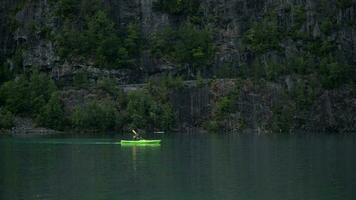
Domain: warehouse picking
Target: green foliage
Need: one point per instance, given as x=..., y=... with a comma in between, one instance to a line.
x=144, y=112
x=52, y=114
x=41, y=87
x=334, y=74
x=6, y=119
x=172, y=82
x=302, y=64
x=5, y=73
x=81, y=80
x=114, y=52
x=282, y=118
x=299, y=16
x=109, y=55
x=14, y=95
x=67, y=8
x=99, y=28
x=264, y=68
x=92, y=36
x=95, y=115
x=227, y=104
x=212, y=126
x=109, y=85
x=229, y=70
x=186, y=46
x=69, y=41
x=318, y=47
x=264, y=36
x=177, y=7
x=132, y=41
x=224, y=106
x=328, y=24
x=159, y=88
x=303, y=94
x=200, y=80
x=225, y=114
x=194, y=46
x=314, y=56
x=17, y=59
x=27, y=95
x=73, y=42
x=344, y=3
x=274, y=70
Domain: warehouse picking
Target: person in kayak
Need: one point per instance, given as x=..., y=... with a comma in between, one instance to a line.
x=136, y=136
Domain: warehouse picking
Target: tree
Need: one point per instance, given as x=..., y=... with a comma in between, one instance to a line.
x=145, y=112
x=15, y=95
x=6, y=119
x=41, y=87
x=5, y=73
x=97, y=115
x=187, y=46
x=27, y=95
x=107, y=52
x=194, y=46
x=52, y=114
x=67, y=8
x=133, y=40
x=177, y=7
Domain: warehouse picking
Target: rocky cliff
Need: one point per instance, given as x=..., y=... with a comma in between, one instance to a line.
x=287, y=44
x=26, y=23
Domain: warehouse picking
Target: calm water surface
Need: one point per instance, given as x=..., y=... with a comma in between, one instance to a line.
x=184, y=167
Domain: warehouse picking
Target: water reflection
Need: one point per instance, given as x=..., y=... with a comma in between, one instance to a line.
x=184, y=167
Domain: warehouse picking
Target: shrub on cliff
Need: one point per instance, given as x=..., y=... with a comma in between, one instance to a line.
x=52, y=114
x=95, y=115
x=224, y=106
x=6, y=119
x=344, y=3
x=109, y=85
x=66, y=8
x=159, y=88
x=177, y=7
x=14, y=95
x=282, y=118
x=333, y=74
x=188, y=46
x=81, y=80
x=5, y=73
x=41, y=87
x=115, y=52
x=27, y=95
x=144, y=112
x=92, y=35
x=263, y=36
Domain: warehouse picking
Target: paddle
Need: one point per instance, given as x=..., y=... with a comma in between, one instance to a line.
x=137, y=136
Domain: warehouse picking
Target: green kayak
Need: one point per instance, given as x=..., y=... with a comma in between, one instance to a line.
x=140, y=142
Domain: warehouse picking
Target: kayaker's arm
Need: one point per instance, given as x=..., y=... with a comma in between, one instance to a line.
x=136, y=136
x=134, y=132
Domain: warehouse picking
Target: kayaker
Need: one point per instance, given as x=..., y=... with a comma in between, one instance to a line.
x=136, y=136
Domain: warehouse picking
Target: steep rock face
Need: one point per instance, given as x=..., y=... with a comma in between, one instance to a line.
x=125, y=11
x=234, y=17
x=191, y=106
x=263, y=107
x=231, y=19
x=35, y=20
x=36, y=25
x=7, y=9
x=26, y=27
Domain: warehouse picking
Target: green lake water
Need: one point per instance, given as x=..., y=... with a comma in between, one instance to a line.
x=195, y=166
